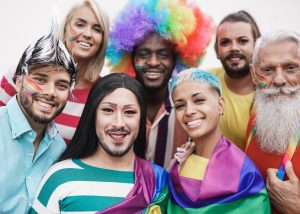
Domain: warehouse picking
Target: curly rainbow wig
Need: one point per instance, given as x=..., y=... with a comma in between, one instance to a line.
x=180, y=22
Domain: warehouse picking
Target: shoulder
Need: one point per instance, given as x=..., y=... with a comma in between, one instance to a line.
x=216, y=71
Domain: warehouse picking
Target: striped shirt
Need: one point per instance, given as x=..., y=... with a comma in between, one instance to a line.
x=67, y=121
x=72, y=186
x=164, y=135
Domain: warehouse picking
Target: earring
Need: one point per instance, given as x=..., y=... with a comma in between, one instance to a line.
x=221, y=113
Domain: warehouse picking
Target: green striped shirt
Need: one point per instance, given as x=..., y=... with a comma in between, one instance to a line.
x=73, y=186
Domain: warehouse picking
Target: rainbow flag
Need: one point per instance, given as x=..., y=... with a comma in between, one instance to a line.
x=149, y=193
x=231, y=184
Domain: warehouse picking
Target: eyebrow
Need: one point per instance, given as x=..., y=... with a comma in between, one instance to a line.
x=113, y=104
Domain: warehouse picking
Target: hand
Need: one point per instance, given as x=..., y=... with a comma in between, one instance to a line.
x=284, y=195
x=183, y=152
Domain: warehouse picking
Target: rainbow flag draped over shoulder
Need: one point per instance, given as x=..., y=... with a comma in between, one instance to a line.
x=231, y=184
x=149, y=193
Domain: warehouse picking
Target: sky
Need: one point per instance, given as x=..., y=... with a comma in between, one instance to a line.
x=22, y=22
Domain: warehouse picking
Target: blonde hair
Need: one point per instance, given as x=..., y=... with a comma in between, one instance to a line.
x=96, y=64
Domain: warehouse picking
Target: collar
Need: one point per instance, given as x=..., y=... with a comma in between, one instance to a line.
x=19, y=123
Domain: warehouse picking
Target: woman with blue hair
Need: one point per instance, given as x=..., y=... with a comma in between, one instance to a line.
x=218, y=177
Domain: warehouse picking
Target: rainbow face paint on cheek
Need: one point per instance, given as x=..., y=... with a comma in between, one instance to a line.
x=139, y=65
x=31, y=87
x=72, y=34
x=261, y=81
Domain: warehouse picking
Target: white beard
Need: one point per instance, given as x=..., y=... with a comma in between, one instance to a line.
x=277, y=117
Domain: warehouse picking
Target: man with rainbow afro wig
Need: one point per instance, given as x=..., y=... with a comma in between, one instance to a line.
x=151, y=41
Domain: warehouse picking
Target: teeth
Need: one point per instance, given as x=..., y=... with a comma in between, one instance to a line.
x=235, y=59
x=117, y=136
x=85, y=44
x=194, y=123
x=46, y=105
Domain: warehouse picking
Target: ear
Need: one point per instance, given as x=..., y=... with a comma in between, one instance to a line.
x=221, y=105
x=19, y=80
x=253, y=75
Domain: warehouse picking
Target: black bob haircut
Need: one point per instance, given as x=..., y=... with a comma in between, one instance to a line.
x=85, y=141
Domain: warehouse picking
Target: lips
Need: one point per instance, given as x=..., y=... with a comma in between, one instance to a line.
x=153, y=74
x=117, y=136
x=45, y=105
x=235, y=57
x=195, y=123
x=84, y=44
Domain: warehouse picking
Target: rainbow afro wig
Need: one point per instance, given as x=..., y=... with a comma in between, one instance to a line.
x=179, y=22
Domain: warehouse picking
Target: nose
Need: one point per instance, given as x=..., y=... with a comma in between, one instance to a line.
x=153, y=60
x=235, y=46
x=87, y=32
x=118, y=120
x=279, y=79
x=190, y=110
x=50, y=89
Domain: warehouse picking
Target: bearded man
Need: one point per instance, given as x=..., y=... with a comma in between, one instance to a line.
x=274, y=130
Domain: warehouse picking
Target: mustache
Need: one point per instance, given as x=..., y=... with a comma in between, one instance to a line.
x=281, y=90
x=232, y=55
x=116, y=130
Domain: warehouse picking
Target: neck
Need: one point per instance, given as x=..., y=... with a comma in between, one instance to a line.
x=37, y=127
x=81, y=82
x=206, y=144
x=101, y=159
x=154, y=100
x=240, y=86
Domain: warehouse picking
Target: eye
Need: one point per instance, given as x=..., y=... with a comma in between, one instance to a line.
x=178, y=106
x=130, y=112
x=142, y=54
x=164, y=54
x=243, y=41
x=290, y=68
x=98, y=29
x=39, y=80
x=63, y=86
x=267, y=70
x=199, y=100
x=107, y=110
x=224, y=42
x=79, y=24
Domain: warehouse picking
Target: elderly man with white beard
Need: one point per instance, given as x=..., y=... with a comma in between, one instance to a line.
x=274, y=130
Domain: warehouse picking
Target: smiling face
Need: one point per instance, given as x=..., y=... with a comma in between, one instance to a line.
x=83, y=34
x=198, y=108
x=154, y=62
x=235, y=44
x=117, y=122
x=278, y=67
x=43, y=93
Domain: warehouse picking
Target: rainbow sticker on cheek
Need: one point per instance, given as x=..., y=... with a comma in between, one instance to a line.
x=73, y=34
x=31, y=87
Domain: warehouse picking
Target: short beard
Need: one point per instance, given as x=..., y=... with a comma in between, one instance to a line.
x=236, y=73
x=29, y=110
x=277, y=117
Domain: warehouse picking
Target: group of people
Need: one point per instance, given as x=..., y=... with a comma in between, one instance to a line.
x=72, y=141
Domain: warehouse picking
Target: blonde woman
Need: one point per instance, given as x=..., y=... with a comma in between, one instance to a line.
x=85, y=34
